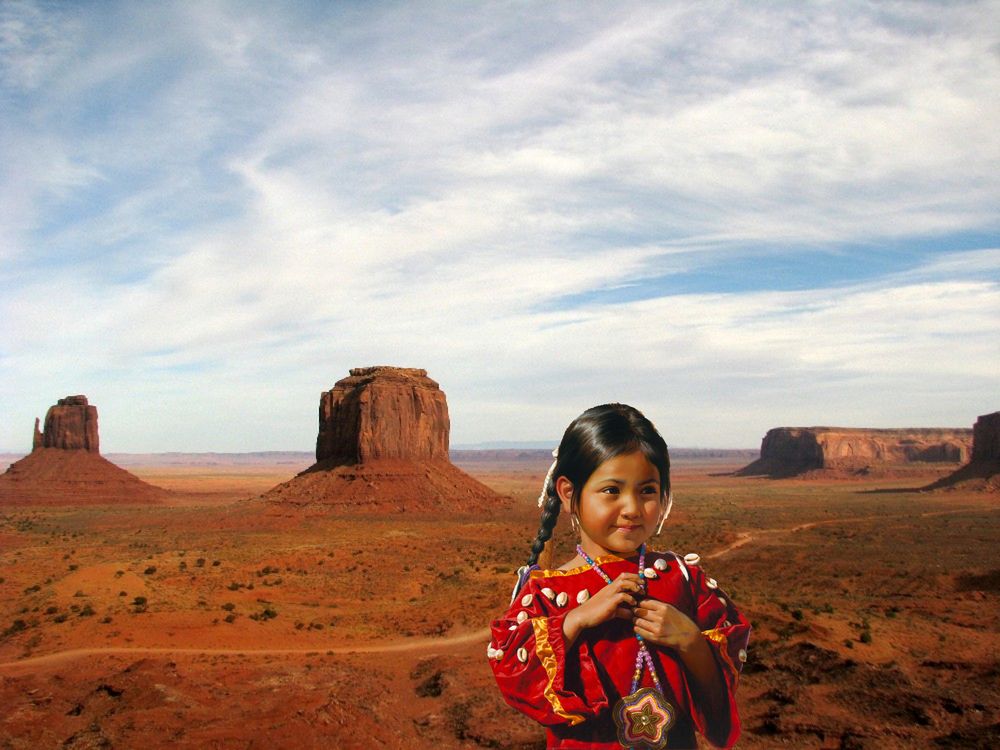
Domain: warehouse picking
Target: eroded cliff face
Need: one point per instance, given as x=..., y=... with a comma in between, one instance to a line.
x=986, y=438
x=383, y=413
x=788, y=451
x=982, y=473
x=69, y=425
x=383, y=445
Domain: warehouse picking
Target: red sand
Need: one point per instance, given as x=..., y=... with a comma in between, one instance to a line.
x=875, y=611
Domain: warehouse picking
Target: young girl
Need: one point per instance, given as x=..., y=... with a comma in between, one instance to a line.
x=620, y=646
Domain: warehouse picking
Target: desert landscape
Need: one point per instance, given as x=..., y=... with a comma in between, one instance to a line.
x=213, y=611
x=771, y=227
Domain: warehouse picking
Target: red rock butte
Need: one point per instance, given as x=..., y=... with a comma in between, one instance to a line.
x=383, y=445
x=65, y=466
x=983, y=470
x=791, y=451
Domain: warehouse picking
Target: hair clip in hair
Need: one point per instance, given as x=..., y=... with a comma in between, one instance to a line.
x=548, y=478
x=666, y=510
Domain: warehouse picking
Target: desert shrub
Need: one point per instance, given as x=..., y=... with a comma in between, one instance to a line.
x=233, y=586
x=797, y=614
x=74, y=566
x=264, y=615
x=229, y=606
x=87, y=611
x=200, y=562
x=51, y=610
x=230, y=617
x=216, y=563
x=105, y=620
x=866, y=636
x=140, y=603
x=183, y=565
x=122, y=593
x=15, y=627
x=60, y=617
x=150, y=570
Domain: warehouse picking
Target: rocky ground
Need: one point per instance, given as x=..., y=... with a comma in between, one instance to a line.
x=211, y=621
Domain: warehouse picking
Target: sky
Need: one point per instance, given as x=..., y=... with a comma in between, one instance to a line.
x=734, y=216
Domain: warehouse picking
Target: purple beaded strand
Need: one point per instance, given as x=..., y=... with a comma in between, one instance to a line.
x=643, y=658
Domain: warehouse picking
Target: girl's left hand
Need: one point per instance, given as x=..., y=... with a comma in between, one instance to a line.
x=665, y=625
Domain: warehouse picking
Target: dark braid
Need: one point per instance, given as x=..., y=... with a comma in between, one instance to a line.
x=549, y=516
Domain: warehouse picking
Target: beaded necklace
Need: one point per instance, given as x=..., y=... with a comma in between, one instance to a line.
x=644, y=716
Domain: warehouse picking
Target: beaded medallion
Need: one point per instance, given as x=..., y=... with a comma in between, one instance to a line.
x=643, y=719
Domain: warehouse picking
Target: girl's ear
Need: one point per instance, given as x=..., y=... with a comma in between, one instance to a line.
x=564, y=488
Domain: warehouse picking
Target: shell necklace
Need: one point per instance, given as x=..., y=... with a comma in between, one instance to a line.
x=644, y=715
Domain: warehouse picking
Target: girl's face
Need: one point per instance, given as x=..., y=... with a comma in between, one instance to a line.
x=620, y=505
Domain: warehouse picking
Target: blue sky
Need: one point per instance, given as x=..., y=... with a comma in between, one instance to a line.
x=733, y=215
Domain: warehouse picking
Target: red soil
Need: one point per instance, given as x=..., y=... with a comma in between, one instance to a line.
x=386, y=485
x=875, y=610
x=55, y=476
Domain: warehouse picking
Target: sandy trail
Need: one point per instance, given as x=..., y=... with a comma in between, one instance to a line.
x=424, y=644
x=745, y=537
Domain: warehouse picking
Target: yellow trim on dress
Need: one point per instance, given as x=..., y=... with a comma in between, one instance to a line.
x=722, y=642
x=548, y=658
x=555, y=573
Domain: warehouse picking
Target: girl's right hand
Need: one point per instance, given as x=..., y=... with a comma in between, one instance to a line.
x=614, y=600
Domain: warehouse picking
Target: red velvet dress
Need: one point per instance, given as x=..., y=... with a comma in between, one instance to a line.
x=573, y=690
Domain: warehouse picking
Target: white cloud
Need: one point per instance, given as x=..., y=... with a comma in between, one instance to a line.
x=229, y=206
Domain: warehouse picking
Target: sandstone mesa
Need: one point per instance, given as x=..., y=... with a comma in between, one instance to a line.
x=383, y=444
x=65, y=466
x=983, y=470
x=791, y=451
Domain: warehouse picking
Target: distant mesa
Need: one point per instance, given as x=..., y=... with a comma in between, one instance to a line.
x=794, y=451
x=65, y=466
x=383, y=445
x=983, y=470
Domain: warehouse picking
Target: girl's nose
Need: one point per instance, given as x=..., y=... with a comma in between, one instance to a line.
x=632, y=507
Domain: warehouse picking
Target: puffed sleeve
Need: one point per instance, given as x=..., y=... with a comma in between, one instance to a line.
x=727, y=632
x=535, y=671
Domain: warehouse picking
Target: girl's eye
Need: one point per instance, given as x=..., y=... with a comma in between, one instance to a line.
x=610, y=490
x=650, y=489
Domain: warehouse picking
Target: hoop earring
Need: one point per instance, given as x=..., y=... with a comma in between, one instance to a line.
x=574, y=522
x=659, y=526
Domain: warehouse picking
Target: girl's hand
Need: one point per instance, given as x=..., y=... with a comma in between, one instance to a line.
x=665, y=625
x=614, y=600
